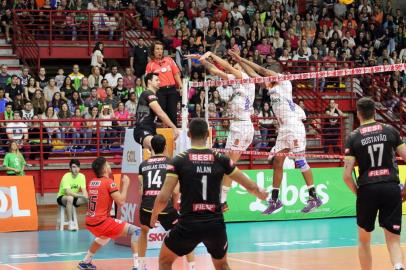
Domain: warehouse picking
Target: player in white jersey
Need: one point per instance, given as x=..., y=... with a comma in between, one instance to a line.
x=291, y=136
x=240, y=98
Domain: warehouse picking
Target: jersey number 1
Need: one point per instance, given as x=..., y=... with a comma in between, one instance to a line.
x=372, y=149
x=204, y=187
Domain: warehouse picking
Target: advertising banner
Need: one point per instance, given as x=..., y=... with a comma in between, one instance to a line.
x=337, y=199
x=18, y=206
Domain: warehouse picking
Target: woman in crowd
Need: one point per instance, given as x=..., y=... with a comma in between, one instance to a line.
x=38, y=102
x=129, y=79
x=30, y=88
x=14, y=161
x=57, y=102
x=65, y=126
x=121, y=115
x=67, y=89
x=106, y=126
x=75, y=103
x=52, y=127
x=91, y=127
x=50, y=90
x=34, y=138
x=98, y=57
x=95, y=79
x=77, y=128
x=131, y=104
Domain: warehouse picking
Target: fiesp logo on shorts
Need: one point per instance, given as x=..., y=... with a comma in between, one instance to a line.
x=289, y=194
x=9, y=204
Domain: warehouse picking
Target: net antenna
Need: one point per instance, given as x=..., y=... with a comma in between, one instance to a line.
x=185, y=111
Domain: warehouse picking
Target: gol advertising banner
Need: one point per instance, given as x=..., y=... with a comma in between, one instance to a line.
x=338, y=201
x=18, y=206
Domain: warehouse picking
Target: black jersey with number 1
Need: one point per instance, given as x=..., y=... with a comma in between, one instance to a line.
x=200, y=173
x=153, y=171
x=374, y=147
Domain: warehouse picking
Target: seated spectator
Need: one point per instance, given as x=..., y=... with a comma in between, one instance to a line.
x=120, y=91
x=266, y=127
x=60, y=78
x=84, y=89
x=121, y=116
x=139, y=88
x=68, y=196
x=91, y=127
x=14, y=89
x=77, y=128
x=95, y=79
x=101, y=91
x=30, y=88
x=52, y=128
x=197, y=112
x=333, y=109
x=42, y=79
x=131, y=104
x=34, y=139
x=93, y=100
x=106, y=127
x=14, y=161
x=17, y=131
x=222, y=129
x=28, y=111
x=65, y=126
x=168, y=33
x=200, y=99
x=7, y=24
x=50, y=90
x=38, y=102
x=75, y=103
x=24, y=77
x=57, y=102
x=3, y=101
x=216, y=100
x=76, y=76
x=101, y=24
x=67, y=88
x=5, y=77
x=202, y=22
x=113, y=76
x=387, y=99
x=111, y=99
x=129, y=79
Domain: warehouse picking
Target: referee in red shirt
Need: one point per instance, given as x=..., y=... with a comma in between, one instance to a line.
x=169, y=77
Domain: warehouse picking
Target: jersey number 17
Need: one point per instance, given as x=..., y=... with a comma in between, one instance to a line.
x=371, y=151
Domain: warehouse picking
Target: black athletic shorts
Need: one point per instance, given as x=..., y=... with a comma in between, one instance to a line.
x=140, y=134
x=186, y=235
x=384, y=198
x=167, y=220
x=75, y=201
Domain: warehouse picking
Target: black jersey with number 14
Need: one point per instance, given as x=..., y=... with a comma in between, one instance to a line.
x=374, y=145
x=200, y=173
x=153, y=171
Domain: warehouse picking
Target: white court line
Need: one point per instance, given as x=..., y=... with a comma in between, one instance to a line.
x=259, y=264
x=12, y=267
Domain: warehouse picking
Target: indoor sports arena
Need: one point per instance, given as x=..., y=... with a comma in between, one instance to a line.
x=202, y=134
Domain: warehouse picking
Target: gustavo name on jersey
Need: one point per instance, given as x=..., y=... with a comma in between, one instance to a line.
x=374, y=139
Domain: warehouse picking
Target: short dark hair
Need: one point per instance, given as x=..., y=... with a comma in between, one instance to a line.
x=74, y=162
x=19, y=113
x=158, y=143
x=366, y=108
x=198, y=128
x=152, y=48
x=149, y=77
x=98, y=166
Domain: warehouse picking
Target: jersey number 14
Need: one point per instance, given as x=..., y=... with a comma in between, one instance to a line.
x=155, y=180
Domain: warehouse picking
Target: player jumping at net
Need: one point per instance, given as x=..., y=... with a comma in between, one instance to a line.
x=147, y=111
x=291, y=135
x=240, y=108
x=374, y=145
x=102, y=192
x=199, y=172
x=152, y=175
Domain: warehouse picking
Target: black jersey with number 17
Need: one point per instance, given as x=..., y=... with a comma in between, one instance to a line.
x=153, y=171
x=374, y=147
x=200, y=173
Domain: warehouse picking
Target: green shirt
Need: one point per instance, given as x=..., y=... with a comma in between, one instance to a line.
x=74, y=184
x=15, y=161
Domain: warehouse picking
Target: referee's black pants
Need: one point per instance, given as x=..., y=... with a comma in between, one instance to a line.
x=168, y=98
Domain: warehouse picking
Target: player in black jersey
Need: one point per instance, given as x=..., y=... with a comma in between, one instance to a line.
x=199, y=172
x=152, y=173
x=373, y=146
x=148, y=109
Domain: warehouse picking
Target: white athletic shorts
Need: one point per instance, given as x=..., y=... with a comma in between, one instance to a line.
x=240, y=136
x=291, y=137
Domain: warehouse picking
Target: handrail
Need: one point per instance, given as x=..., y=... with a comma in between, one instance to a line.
x=25, y=45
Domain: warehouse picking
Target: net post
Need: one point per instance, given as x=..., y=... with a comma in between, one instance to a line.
x=185, y=113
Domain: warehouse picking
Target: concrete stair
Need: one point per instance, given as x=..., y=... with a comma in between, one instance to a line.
x=9, y=58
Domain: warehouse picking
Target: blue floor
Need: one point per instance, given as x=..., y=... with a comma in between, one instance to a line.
x=45, y=246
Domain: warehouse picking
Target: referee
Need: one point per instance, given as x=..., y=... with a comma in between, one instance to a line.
x=169, y=77
x=373, y=146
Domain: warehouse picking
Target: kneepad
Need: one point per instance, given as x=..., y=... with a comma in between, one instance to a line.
x=301, y=163
x=102, y=241
x=134, y=231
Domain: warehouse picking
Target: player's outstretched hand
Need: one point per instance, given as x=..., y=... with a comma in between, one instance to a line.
x=125, y=180
x=234, y=54
x=262, y=194
x=175, y=133
x=192, y=56
x=205, y=56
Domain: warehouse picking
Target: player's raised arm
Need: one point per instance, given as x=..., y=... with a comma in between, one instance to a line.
x=257, y=68
x=163, y=197
x=226, y=65
x=248, y=184
x=120, y=197
x=212, y=69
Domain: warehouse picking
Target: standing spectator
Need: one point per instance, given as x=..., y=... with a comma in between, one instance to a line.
x=113, y=76
x=331, y=132
x=139, y=58
x=14, y=89
x=14, y=161
x=39, y=102
x=42, y=78
x=95, y=79
x=17, y=131
x=131, y=104
x=7, y=24
x=50, y=90
x=182, y=62
x=5, y=78
x=68, y=195
x=97, y=56
x=169, y=77
x=129, y=79
x=333, y=109
x=76, y=76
